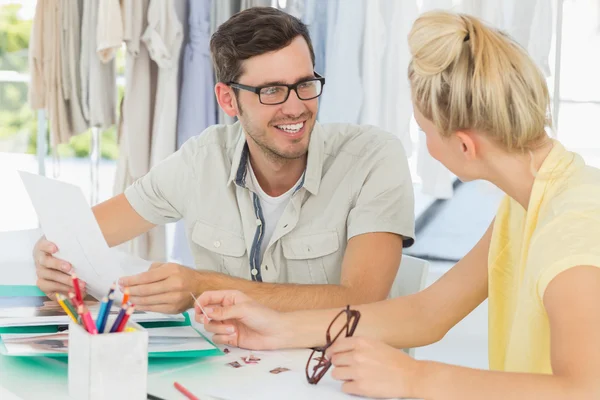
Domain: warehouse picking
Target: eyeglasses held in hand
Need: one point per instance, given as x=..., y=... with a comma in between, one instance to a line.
x=317, y=365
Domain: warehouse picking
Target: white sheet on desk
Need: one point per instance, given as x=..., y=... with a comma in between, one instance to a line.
x=67, y=220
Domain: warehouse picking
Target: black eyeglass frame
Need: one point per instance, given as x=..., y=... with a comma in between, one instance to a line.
x=257, y=89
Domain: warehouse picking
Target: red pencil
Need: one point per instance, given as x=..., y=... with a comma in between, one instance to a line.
x=128, y=313
x=185, y=392
x=77, y=288
x=88, y=322
x=74, y=300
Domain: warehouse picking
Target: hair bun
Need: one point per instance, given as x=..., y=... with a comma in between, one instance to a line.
x=436, y=40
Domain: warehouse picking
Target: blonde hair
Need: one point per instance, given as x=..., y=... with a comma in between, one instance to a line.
x=465, y=75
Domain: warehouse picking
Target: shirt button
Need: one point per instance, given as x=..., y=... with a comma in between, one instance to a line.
x=254, y=272
x=217, y=244
x=258, y=222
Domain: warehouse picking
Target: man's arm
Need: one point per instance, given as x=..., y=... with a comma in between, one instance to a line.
x=369, y=267
x=118, y=220
x=403, y=322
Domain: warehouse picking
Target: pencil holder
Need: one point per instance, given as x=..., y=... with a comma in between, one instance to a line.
x=108, y=366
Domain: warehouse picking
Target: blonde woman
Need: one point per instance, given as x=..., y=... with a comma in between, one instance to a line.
x=483, y=106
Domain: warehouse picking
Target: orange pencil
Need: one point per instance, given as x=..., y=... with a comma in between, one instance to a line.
x=77, y=288
x=184, y=391
x=125, y=295
x=123, y=322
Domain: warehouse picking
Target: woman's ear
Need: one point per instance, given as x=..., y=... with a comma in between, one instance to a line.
x=468, y=145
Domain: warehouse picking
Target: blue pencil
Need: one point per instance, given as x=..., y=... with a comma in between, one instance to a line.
x=104, y=312
x=119, y=318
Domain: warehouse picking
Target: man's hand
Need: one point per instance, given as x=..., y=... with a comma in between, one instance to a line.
x=53, y=274
x=239, y=321
x=371, y=368
x=164, y=288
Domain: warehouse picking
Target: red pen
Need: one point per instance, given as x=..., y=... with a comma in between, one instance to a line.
x=77, y=288
x=88, y=322
x=185, y=392
x=123, y=323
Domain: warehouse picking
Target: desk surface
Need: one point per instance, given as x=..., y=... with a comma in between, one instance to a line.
x=29, y=378
x=34, y=378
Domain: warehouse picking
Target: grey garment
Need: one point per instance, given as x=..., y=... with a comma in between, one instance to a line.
x=316, y=18
x=343, y=95
x=293, y=7
x=98, y=80
x=221, y=11
x=71, y=53
x=197, y=105
x=245, y=4
x=356, y=181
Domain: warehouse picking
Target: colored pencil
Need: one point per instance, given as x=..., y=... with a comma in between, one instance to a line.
x=77, y=288
x=101, y=313
x=86, y=317
x=119, y=318
x=125, y=295
x=184, y=391
x=70, y=306
x=74, y=300
x=123, y=323
x=61, y=300
x=101, y=322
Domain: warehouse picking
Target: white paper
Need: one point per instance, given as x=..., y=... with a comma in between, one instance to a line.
x=17, y=266
x=160, y=340
x=67, y=220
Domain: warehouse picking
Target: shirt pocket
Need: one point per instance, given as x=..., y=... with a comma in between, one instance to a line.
x=308, y=255
x=225, y=247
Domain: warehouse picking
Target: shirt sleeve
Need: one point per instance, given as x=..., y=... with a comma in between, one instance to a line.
x=159, y=196
x=569, y=241
x=386, y=200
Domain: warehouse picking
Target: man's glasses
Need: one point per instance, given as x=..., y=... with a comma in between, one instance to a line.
x=277, y=94
x=317, y=365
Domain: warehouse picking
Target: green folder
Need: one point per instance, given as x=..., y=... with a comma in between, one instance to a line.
x=28, y=291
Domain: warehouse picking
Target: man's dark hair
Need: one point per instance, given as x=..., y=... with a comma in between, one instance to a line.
x=250, y=33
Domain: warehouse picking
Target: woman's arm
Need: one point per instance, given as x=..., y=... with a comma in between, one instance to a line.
x=572, y=301
x=403, y=322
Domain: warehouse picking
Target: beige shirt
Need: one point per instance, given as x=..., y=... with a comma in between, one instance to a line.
x=356, y=181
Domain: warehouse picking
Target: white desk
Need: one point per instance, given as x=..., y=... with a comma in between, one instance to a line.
x=34, y=378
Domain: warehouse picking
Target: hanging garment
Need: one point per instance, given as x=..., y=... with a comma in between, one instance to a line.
x=109, y=30
x=436, y=180
x=221, y=11
x=245, y=4
x=197, y=107
x=135, y=125
x=71, y=53
x=316, y=17
x=292, y=7
x=46, y=88
x=387, y=99
x=197, y=103
x=98, y=79
x=343, y=96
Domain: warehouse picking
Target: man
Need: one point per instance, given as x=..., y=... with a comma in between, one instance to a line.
x=295, y=214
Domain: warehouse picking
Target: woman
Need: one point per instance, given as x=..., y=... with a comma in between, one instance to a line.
x=482, y=104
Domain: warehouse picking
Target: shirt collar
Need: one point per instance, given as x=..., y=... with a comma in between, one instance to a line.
x=314, y=165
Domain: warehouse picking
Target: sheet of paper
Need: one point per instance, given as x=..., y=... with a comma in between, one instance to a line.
x=16, y=263
x=160, y=340
x=67, y=220
x=38, y=311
